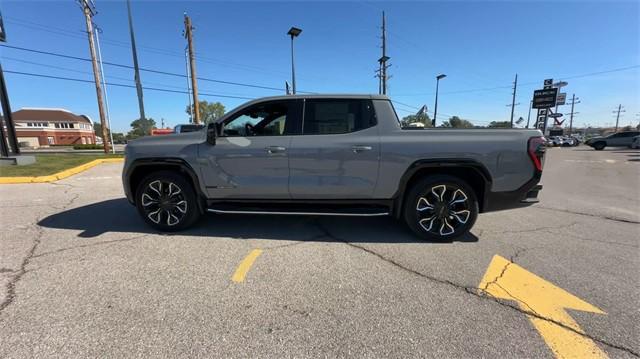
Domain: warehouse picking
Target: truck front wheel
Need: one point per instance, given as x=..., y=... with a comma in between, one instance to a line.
x=167, y=201
x=599, y=146
x=440, y=208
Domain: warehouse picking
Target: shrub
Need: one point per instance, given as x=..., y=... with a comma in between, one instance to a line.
x=87, y=147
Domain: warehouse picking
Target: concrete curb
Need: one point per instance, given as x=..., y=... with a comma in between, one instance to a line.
x=60, y=175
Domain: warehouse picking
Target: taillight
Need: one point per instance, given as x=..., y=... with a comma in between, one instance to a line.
x=536, y=149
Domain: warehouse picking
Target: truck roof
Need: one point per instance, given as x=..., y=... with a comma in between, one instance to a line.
x=325, y=96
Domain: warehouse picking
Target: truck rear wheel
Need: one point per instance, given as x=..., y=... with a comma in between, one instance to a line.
x=440, y=208
x=167, y=201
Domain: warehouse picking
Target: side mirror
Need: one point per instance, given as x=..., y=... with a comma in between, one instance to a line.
x=212, y=133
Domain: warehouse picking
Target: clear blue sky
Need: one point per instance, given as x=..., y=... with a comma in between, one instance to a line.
x=479, y=45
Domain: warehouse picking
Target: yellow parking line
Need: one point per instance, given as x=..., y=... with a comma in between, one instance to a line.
x=60, y=175
x=245, y=265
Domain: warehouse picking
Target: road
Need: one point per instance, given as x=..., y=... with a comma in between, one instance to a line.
x=82, y=276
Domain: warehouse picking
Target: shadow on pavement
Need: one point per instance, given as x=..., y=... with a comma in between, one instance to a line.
x=117, y=215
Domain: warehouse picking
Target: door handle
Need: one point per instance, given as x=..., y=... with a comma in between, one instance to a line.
x=275, y=149
x=360, y=148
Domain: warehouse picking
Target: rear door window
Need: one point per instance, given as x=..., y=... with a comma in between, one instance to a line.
x=326, y=117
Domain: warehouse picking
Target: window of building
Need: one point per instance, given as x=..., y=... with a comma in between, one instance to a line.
x=71, y=125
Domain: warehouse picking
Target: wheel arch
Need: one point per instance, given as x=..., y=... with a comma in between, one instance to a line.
x=471, y=171
x=141, y=168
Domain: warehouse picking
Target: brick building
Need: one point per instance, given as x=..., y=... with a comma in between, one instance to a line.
x=52, y=126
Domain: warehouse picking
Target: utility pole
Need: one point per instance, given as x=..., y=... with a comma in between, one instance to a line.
x=104, y=86
x=135, y=64
x=513, y=99
x=620, y=109
x=186, y=63
x=383, y=60
x=192, y=61
x=89, y=10
x=574, y=101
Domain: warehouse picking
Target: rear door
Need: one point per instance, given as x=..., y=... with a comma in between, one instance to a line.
x=337, y=155
x=251, y=157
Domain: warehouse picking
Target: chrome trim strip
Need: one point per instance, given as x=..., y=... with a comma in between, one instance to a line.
x=299, y=213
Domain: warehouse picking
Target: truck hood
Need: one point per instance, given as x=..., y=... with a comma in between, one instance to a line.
x=174, y=145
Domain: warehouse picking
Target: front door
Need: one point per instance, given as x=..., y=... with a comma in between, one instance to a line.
x=251, y=156
x=337, y=155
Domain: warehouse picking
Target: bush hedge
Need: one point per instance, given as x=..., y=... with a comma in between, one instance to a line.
x=87, y=147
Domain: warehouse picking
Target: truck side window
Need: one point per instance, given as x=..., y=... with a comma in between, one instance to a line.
x=267, y=119
x=325, y=117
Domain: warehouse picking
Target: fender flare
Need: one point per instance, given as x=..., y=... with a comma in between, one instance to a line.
x=440, y=163
x=168, y=161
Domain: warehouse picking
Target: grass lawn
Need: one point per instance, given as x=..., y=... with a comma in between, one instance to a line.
x=48, y=164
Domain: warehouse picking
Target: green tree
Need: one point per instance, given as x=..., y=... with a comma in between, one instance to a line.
x=97, y=128
x=421, y=118
x=457, y=122
x=141, y=127
x=118, y=137
x=209, y=111
x=500, y=124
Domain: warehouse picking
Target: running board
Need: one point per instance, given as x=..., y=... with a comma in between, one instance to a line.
x=365, y=212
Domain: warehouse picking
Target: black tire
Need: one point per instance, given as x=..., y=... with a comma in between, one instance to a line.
x=599, y=146
x=437, y=215
x=167, y=201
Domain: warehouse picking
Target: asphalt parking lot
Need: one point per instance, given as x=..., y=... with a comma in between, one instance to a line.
x=82, y=276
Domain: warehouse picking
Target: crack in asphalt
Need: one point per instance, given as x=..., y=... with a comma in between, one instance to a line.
x=610, y=218
x=89, y=245
x=596, y=240
x=297, y=243
x=478, y=292
x=540, y=228
x=11, y=285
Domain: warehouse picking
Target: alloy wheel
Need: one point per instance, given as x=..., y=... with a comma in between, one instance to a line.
x=443, y=210
x=164, y=202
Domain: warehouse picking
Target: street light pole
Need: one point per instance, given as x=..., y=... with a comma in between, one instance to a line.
x=529, y=116
x=293, y=32
x=435, y=108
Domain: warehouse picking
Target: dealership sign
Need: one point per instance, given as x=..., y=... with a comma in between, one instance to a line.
x=545, y=98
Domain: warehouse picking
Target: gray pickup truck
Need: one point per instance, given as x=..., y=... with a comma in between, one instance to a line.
x=339, y=155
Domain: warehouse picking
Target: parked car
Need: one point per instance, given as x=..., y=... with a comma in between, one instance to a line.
x=577, y=139
x=635, y=143
x=568, y=141
x=556, y=141
x=187, y=128
x=341, y=155
x=619, y=139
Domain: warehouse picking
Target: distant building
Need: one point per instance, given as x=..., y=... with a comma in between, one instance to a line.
x=36, y=127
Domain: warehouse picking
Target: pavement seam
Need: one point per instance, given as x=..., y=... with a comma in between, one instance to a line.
x=478, y=292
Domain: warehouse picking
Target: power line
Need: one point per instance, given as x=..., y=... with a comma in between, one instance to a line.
x=90, y=73
x=486, y=89
x=121, y=85
x=150, y=49
x=143, y=69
